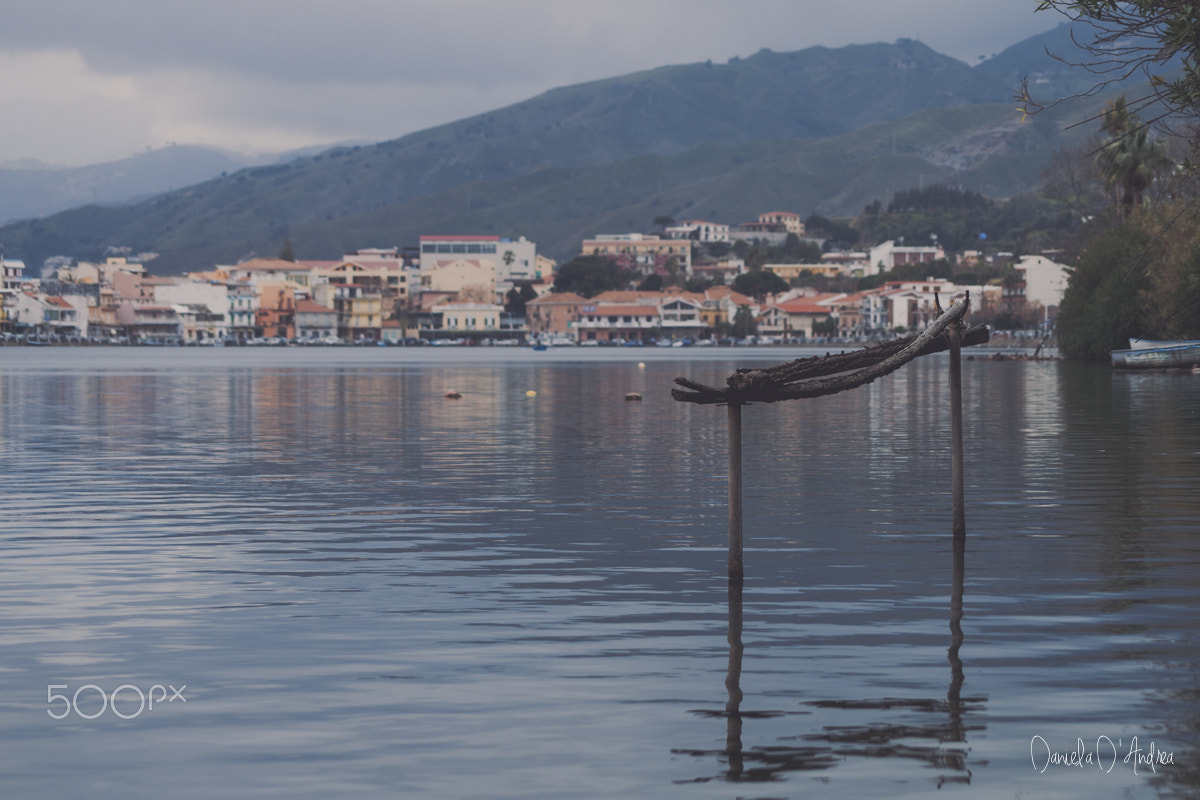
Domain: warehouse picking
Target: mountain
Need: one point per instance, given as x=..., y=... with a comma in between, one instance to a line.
x=821, y=129
x=35, y=189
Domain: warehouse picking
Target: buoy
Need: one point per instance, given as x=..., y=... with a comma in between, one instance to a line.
x=452, y=395
x=641, y=365
x=531, y=393
x=633, y=396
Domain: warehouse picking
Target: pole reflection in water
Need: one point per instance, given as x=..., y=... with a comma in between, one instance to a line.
x=895, y=722
x=733, y=680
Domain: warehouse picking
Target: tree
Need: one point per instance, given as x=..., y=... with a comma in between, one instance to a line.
x=743, y=322
x=759, y=282
x=825, y=327
x=1128, y=161
x=286, y=253
x=588, y=276
x=476, y=293
x=1158, y=39
x=516, y=298
x=1101, y=308
x=508, y=258
x=664, y=222
x=652, y=283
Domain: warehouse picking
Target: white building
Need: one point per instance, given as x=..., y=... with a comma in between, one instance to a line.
x=202, y=307
x=513, y=262
x=1045, y=281
x=698, y=231
x=884, y=257
x=467, y=317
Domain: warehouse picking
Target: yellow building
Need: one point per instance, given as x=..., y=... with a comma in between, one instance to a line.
x=791, y=222
x=461, y=275
x=645, y=253
x=790, y=272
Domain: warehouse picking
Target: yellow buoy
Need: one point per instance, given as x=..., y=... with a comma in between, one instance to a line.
x=531, y=393
x=641, y=365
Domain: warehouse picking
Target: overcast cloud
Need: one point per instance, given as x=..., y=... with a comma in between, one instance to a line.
x=83, y=81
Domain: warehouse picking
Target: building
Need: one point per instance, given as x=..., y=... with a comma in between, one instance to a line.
x=512, y=262
x=794, y=317
x=467, y=278
x=476, y=318
x=381, y=271
x=359, y=311
x=885, y=257
x=243, y=310
x=203, y=307
x=786, y=220
x=791, y=272
x=1045, y=282
x=273, y=270
x=149, y=324
x=638, y=316
x=554, y=314
x=681, y=317
x=643, y=253
x=51, y=315
x=199, y=323
x=618, y=322
x=315, y=322
x=698, y=231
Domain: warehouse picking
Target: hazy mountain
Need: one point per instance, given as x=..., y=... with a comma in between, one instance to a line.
x=822, y=130
x=31, y=189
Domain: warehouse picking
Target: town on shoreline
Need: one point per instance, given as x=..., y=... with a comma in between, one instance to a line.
x=491, y=290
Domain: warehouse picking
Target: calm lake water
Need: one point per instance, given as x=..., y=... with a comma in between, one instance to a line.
x=333, y=582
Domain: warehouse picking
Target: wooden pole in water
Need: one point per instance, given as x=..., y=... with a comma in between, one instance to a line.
x=735, y=489
x=959, y=525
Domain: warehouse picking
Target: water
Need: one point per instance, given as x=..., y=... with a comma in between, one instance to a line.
x=362, y=589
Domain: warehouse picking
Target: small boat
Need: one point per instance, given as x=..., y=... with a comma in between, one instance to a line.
x=1150, y=354
x=1156, y=344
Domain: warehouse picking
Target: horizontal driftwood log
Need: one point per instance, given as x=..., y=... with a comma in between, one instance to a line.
x=830, y=374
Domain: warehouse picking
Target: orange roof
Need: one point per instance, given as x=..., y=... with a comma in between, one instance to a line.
x=803, y=305
x=721, y=292
x=311, y=307
x=270, y=264
x=559, y=297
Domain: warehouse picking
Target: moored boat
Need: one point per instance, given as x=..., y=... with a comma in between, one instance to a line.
x=1149, y=354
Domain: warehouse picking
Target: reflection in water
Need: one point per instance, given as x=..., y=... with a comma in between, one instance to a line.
x=767, y=763
x=876, y=739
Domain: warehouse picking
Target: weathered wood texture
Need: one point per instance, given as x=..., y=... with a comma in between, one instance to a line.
x=829, y=374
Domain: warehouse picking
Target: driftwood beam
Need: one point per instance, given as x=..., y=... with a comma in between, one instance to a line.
x=829, y=374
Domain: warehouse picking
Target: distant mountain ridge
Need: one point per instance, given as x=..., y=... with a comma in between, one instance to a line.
x=28, y=190
x=604, y=153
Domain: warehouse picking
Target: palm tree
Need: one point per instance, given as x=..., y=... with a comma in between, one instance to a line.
x=1129, y=161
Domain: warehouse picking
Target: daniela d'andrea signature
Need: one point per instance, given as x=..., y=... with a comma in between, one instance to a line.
x=1103, y=756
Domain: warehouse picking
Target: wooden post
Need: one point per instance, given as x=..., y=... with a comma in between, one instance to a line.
x=735, y=489
x=959, y=525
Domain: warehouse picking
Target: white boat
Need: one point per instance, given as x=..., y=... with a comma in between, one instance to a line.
x=1150, y=354
x=1154, y=344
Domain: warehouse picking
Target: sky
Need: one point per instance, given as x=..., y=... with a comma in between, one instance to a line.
x=84, y=82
